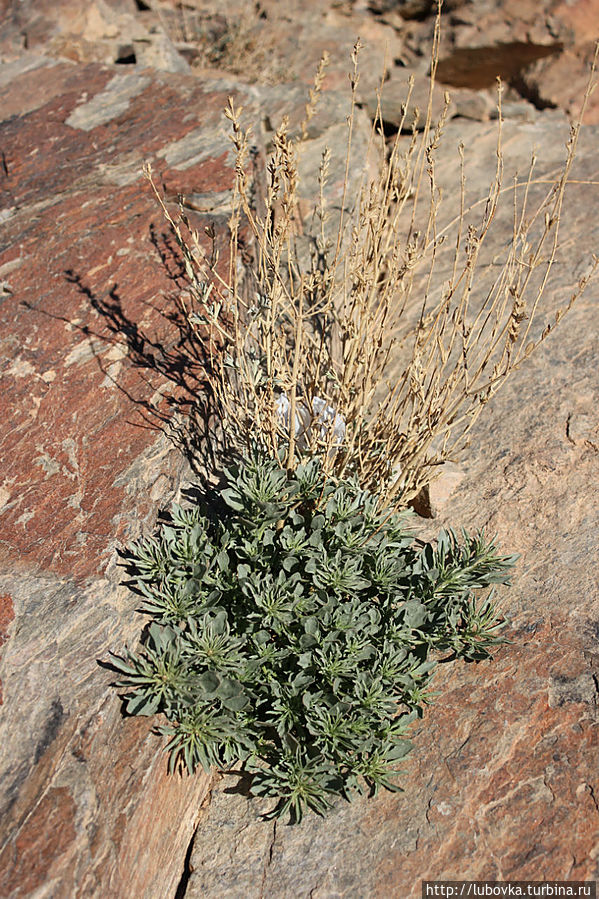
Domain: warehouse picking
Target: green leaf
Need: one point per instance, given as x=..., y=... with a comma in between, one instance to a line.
x=232, y=499
x=236, y=703
x=228, y=688
x=143, y=705
x=311, y=626
x=222, y=560
x=208, y=683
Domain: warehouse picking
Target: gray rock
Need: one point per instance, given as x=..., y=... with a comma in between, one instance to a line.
x=500, y=782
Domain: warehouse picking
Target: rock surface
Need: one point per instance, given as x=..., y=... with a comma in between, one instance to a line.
x=543, y=50
x=91, y=355
x=503, y=781
x=96, y=378
x=96, y=375
x=106, y=31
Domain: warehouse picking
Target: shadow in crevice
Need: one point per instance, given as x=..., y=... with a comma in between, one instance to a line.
x=479, y=67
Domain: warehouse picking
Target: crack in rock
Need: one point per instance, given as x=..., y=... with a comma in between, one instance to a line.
x=268, y=860
x=187, y=867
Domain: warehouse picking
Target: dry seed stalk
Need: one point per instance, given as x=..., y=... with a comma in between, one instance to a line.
x=306, y=343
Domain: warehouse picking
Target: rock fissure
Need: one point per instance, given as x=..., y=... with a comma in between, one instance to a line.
x=181, y=890
x=313, y=893
x=593, y=796
x=268, y=859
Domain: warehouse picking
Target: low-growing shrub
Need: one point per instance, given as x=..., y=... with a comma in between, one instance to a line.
x=296, y=621
x=296, y=625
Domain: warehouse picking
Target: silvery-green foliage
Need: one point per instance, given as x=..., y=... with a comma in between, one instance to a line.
x=295, y=629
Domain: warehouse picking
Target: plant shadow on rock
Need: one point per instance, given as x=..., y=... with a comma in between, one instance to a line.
x=183, y=410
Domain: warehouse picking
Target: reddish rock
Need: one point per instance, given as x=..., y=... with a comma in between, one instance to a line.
x=93, y=371
x=46, y=836
x=85, y=293
x=7, y=613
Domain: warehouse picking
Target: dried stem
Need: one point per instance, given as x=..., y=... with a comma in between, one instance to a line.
x=335, y=357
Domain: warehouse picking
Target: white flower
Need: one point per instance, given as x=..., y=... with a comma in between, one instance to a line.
x=322, y=414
